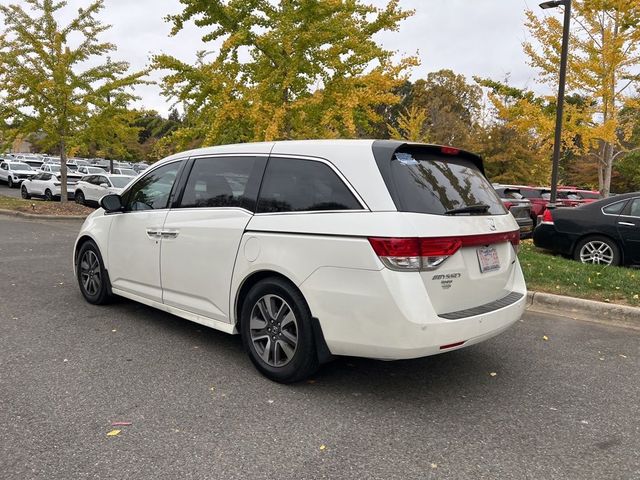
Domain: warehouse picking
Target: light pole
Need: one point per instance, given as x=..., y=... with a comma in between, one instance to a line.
x=562, y=80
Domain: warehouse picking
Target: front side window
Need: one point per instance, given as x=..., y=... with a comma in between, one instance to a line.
x=152, y=191
x=634, y=208
x=220, y=182
x=295, y=185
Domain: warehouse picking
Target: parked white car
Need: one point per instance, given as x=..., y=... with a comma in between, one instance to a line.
x=125, y=171
x=88, y=170
x=91, y=188
x=47, y=185
x=14, y=173
x=309, y=249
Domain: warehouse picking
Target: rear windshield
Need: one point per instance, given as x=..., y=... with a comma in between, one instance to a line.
x=435, y=184
x=590, y=195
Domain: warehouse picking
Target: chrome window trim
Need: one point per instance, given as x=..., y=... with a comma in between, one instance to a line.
x=619, y=215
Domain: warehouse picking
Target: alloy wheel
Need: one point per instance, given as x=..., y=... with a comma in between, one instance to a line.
x=90, y=273
x=274, y=330
x=596, y=252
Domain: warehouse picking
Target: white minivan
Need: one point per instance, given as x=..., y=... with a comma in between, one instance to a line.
x=309, y=249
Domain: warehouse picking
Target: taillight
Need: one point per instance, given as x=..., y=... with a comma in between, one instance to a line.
x=547, y=218
x=508, y=205
x=415, y=254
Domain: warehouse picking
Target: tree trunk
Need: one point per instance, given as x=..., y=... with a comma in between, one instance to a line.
x=607, y=164
x=63, y=172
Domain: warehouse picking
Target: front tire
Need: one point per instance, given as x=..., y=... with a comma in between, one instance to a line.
x=24, y=193
x=10, y=183
x=91, y=274
x=277, y=332
x=597, y=250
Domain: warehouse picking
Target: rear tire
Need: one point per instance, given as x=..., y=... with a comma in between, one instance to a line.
x=91, y=275
x=597, y=250
x=79, y=197
x=24, y=193
x=277, y=333
x=48, y=196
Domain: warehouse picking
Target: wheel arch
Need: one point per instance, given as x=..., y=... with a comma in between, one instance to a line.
x=322, y=350
x=598, y=234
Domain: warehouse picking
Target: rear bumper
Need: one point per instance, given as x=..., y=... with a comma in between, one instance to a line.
x=526, y=226
x=387, y=315
x=547, y=237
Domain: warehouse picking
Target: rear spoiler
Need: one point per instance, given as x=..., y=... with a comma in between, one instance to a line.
x=384, y=150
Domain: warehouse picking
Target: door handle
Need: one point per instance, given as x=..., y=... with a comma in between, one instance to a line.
x=627, y=224
x=169, y=233
x=154, y=233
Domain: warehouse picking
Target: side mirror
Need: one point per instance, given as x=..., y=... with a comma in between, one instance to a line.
x=111, y=203
x=104, y=185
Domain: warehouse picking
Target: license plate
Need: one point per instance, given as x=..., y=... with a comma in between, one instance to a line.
x=488, y=259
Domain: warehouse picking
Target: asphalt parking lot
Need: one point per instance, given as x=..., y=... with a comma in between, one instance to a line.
x=566, y=407
x=9, y=192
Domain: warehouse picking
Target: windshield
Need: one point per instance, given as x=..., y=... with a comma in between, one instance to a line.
x=437, y=184
x=20, y=166
x=55, y=168
x=95, y=170
x=120, y=182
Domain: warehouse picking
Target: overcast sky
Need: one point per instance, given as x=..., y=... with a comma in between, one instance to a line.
x=473, y=37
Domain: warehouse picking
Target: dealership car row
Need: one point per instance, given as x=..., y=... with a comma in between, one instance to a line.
x=87, y=180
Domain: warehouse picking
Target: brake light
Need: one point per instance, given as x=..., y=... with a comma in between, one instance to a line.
x=415, y=254
x=508, y=205
x=450, y=151
x=547, y=217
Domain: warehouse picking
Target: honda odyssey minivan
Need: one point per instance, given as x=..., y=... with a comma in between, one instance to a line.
x=309, y=249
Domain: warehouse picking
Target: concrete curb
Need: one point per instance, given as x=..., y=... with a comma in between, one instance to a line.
x=586, y=310
x=15, y=213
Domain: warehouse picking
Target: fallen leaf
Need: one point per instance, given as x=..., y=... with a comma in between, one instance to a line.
x=323, y=447
x=601, y=358
x=545, y=338
x=493, y=374
x=270, y=401
x=623, y=356
x=113, y=433
x=607, y=300
x=114, y=330
x=311, y=382
x=636, y=297
x=434, y=465
x=120, y=424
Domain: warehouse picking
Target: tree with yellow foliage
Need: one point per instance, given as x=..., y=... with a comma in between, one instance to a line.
x=284, y=70
x=603, y=56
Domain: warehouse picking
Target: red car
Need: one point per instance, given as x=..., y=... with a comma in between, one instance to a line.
x=538, y=196
x=573, y=197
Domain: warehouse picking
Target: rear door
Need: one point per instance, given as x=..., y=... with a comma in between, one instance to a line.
x=629, y=229
x=202, y=233
x=446, y=196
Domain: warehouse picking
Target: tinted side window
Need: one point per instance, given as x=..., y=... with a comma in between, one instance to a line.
x=152, y=191
x=292, y=185
x=632, y=209
x=614, y=208
x=220, y=182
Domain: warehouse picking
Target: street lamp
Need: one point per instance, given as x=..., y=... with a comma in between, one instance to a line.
x=561, y=86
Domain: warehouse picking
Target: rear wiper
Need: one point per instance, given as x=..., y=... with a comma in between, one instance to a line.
x=479, y=208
